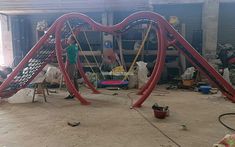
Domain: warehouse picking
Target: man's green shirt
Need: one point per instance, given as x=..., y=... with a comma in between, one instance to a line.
x=72, y=54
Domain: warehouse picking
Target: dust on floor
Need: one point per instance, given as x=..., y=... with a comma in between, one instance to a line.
x=109, y=121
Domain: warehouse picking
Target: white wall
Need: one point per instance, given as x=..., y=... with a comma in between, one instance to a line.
x=1, y=49
x=6, y=46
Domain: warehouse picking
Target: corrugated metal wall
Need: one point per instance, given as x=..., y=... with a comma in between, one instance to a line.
x=24, y=6
x=226, y=32
x=20, y=35
x=189, y=14
x=24, y=30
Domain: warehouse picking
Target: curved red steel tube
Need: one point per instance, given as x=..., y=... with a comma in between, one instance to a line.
x=95, y=26
x=229, y=89
x=142, y=89
x=27, y=58
x=82, y=73
x=59, y=51
x=164, y=28
x=80, y=68
x=189, y=59
x=157, y=69
x=232, y=60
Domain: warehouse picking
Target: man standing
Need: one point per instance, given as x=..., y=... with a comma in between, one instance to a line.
x=72, y=57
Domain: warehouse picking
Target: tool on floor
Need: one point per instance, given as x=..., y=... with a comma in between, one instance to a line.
x=73, y=124
x=115, y=93
x=184, y=127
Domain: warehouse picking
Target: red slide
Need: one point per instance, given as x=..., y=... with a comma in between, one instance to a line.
x=172, y=37
x=50, y=44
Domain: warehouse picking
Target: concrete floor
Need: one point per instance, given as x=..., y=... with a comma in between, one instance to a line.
x=109, y=122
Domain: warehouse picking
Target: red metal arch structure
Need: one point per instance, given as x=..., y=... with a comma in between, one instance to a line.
x=42, y=52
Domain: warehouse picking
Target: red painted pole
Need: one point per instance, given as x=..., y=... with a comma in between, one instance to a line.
x=232, y=60
x=230, y=91
x=59, y=49
x=164, y=28
x=158, y=70
x=142, y=89
x=82, y=73
x=25, y=60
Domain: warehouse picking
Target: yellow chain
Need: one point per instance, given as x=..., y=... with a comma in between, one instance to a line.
x=138, y=53
x=92, y=53
x=80, y=48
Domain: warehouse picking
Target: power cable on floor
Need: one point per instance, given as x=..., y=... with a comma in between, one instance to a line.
x=226, y=114
x=153, y=125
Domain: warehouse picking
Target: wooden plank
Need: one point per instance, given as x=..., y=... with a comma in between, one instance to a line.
x=168, y=65
x=89, y=53
x=132, y=52
x=150, y=52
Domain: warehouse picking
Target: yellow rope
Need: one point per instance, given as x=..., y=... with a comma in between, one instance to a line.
x=138, y=53
x=92, y=53
x=133, y=63
x=80, y=48
x=90, y=48
x=121, y=53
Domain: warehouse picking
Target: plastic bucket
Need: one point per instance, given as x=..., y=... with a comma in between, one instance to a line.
x=160, y=113
x=205, y=89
